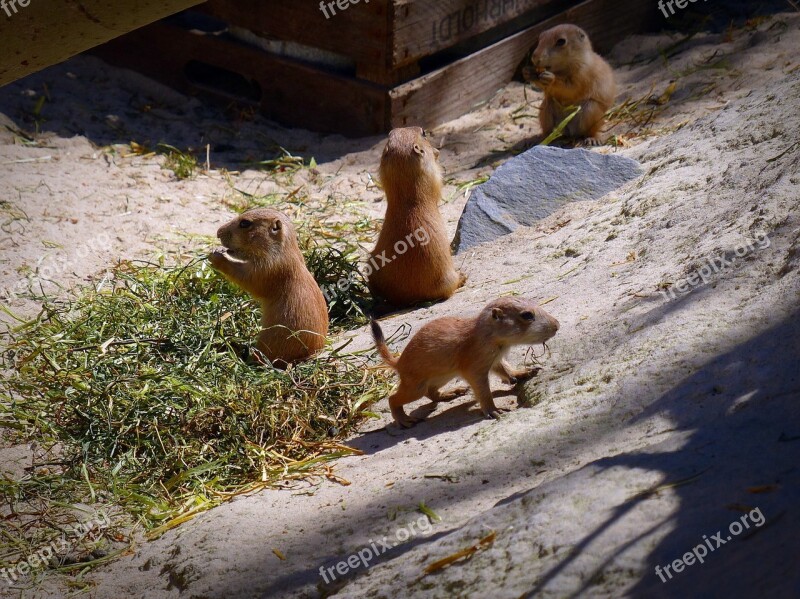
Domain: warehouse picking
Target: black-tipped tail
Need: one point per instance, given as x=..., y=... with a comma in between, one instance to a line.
x=380, y=344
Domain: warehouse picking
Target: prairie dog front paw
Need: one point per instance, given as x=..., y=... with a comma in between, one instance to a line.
x=546, y=78
x=218, y=256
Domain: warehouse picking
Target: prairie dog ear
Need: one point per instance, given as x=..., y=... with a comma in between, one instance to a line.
x=277, y=225
x=436, y=153
x=497, y=313
x=418, y=150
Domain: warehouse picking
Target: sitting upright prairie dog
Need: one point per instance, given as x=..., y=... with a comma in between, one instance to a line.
x=571, y=74
x=465, y=347
x=411, y=262
x=262, y=257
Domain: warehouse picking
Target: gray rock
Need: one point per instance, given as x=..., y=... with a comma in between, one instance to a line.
x=535, y=184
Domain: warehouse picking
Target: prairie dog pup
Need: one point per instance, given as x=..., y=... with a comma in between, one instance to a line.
x=571, y=74
x=465, y=347
x=411, y=262
x=262, y=257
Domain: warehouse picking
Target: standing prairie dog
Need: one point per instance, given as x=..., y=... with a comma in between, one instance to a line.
x=262, y=257
x=467, y=347
x=411, y=262
x=571, y=74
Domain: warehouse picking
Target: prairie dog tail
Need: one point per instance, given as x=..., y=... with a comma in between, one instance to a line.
x=380, y=344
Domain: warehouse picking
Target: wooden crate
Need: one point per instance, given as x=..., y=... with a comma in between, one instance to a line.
x=398, y=62
x=288, y=91
x=386, y=39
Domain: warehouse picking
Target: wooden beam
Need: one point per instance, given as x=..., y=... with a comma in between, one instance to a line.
x=36, y=34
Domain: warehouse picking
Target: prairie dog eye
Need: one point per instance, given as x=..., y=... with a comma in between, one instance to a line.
x=561, y=42
x=529, y=316
x=245, y=224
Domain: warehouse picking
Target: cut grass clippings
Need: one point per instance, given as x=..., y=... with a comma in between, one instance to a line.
x=182, y=164
x=142, y=387
x=133, y=398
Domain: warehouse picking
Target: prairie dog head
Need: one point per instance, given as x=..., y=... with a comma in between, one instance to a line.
x=518, y=321
x=409, y=157
x=261, y=235
x=560, y=48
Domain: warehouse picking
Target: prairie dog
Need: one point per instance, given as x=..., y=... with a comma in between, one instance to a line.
x=262, y=256
x=411, y=262
x=467, y=347
x=571, y=74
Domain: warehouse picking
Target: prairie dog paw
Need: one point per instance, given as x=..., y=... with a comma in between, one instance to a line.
x=494, y=413
x=218, y=256
x=402, y=419
x=546, y=78
x=524, y=374
x=592, y=142
x=407, y=421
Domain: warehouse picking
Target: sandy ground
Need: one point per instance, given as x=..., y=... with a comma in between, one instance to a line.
x=655, y=419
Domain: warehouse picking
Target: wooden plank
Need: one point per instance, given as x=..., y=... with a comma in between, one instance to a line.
x=359, y=32
x=387, y=77
x=424, y=27
x=38, y=34
x=457, y=88
x=291, y=92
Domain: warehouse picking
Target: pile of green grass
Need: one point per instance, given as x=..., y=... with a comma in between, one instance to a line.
x=142, y=384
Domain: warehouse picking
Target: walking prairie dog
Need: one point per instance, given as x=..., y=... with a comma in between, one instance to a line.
x=411, y=262
x=262, y=257
x=467, y=347
x=571, y=74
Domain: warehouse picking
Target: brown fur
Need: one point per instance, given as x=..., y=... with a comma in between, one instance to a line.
x=467, y=347
x=262, y=257
x=571, y=74
x=412, y=179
